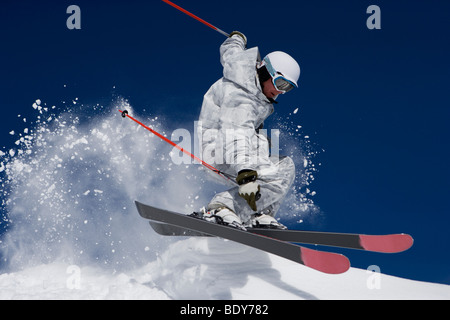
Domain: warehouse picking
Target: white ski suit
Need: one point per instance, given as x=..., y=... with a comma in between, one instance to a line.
x=233, y=108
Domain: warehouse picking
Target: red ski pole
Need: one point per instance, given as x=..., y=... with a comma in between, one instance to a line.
x=210, y=167
x=196, y=18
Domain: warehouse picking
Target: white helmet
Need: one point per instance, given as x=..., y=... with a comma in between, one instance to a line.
x=284, y=70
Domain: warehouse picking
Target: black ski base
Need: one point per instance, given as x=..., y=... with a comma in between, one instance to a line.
x=326, y=262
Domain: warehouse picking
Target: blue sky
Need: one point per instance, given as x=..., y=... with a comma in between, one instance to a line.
x=375, y=100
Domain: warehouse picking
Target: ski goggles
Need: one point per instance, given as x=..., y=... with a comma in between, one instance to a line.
x=279, y=81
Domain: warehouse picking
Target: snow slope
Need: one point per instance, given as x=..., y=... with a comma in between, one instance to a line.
x=199, y=268
x=68, y=189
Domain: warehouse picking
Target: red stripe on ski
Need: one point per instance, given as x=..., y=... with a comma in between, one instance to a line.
x=387, y=243
x=327, y=262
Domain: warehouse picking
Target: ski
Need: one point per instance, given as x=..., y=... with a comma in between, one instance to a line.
x=391, y=243
x=326, y=262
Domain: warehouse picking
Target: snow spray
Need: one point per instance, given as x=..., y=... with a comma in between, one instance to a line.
x=69, y=183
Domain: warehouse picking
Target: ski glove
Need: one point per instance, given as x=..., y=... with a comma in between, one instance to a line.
x=241, y=35
x=249, y=189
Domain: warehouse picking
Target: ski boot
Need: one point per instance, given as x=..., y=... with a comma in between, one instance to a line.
x=260, y=220
x=223, y=216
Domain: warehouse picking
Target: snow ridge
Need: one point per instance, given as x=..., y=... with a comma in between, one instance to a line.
x=207, y=268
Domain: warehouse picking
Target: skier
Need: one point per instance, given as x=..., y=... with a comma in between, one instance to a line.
x=233, y=111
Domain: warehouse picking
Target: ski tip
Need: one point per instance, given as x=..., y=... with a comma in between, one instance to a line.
x=327, y=262
x=140, y=208
x=392, y=243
